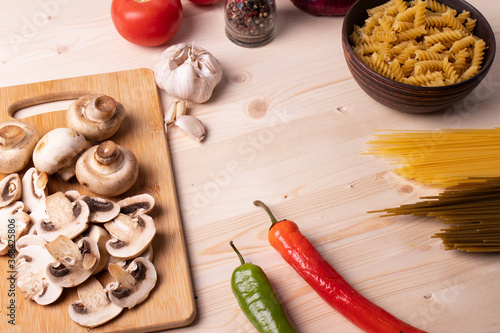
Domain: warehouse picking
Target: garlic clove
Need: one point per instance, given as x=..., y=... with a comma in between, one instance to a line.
x=175, y=110
x=191, y=126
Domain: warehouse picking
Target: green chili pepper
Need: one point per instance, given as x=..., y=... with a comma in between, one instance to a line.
x=257, y=298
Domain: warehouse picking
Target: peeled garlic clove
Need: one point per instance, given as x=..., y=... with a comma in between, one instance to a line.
x=188, y=72
x=175, y=110
x=191, y=126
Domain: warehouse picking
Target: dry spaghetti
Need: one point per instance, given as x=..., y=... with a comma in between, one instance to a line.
x=442, y=158
x=472, y=209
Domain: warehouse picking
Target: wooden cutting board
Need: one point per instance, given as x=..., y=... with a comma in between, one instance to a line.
x=171, y=302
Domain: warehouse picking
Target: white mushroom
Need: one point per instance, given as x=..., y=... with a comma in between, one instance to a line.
x=10, y=189
x=58, y=150
x=107, y=169
x=28, y=240
x=74, y=263
x=65, y=217
x=17, y=141
x=130, y=236
x=93, y=307
x=133, y=284
x=100, y=236
x=31, y=279
x=147, y=254
x=136, y=205
x=14, y=222
x=101, y=210
x=34, y=190
x=97, y=117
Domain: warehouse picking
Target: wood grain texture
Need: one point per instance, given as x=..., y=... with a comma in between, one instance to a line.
x=171, y=303
x=287, y=125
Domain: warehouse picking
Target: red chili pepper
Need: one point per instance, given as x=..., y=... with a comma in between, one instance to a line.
x=296, y=249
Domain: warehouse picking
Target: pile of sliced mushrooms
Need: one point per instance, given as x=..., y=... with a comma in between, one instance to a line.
x=64, y=239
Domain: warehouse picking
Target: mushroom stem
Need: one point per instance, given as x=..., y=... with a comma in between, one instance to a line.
x=11, y=135
x=104, y=108
x=108, y=153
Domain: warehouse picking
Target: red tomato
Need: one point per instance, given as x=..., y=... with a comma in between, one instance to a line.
x=205, y=2
x=146, y=22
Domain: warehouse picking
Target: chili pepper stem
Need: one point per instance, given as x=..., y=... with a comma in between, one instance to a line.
x=237, y=252
x=268, y=211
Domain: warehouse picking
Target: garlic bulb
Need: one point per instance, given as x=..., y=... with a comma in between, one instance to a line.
x=188, y=72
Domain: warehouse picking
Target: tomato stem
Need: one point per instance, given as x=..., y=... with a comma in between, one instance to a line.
x=268, y=211
x=237, y=252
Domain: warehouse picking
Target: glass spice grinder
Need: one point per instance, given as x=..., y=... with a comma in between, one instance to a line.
x=250, y=23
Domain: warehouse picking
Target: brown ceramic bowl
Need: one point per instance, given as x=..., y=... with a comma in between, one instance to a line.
x=406, y=97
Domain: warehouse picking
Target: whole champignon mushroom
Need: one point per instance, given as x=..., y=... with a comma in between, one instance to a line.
x=14, y=222
x=17, y=142
x=74, y=263
x=101, y=210
x=58, y=150
x=31, y=278
x=133, y=284
x=136, y=205
x=107, y=169
x=10, y=189
x=97, y=117
x=129, y=236
x=93, y=307
x=64, y=217
x=100, y=236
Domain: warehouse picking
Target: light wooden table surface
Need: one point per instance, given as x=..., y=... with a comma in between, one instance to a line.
x=286, y=125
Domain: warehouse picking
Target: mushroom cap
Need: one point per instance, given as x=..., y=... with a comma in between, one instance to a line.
x=34, y=190
x=133, y=284
x=17, y=142
x=100, y=236
x=31, y=278
x=10, y=189
x=129, y=236
x=148, y=254
x=57, y=148
x=97, y=117
x=101, y=210
x=29, y=240
x=107, y=169
x=93, y=307
x=137, y=204
x=12, y=215
x=74, y=263
x=64, y=217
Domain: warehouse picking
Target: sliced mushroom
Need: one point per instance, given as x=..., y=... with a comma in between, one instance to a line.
x=59, y=150
x=147, y=254
x=100, y=236
x=130, y=236
x=10, y=189
x=97, y=117
x=133, y=284
x=101, y=210
x=28, y=240
x=65, y=217
x=34, y=190
x=17, y=142
x=14, y=223
x=94, y=307
x=31, y=277
x=107, y=169
x=74, y=262
x=136, y=205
